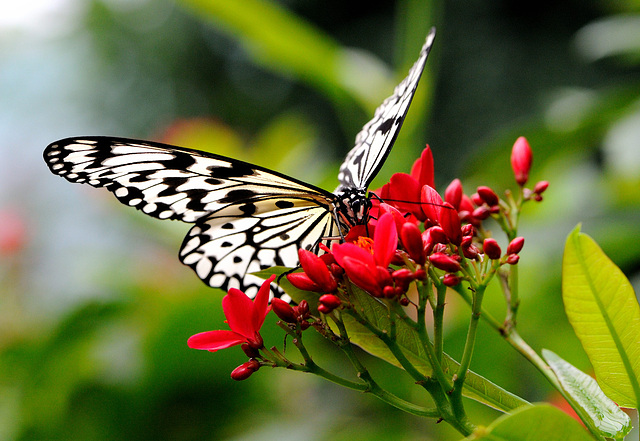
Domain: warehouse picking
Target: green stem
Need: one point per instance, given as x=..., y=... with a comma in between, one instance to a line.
x=438, y=321
x=374, y=388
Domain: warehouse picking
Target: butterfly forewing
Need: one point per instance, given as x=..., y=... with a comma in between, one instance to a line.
x=376, y=138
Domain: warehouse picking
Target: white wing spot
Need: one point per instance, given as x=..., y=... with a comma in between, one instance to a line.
x=122, y=192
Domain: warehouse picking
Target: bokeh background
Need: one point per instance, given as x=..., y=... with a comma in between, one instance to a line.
x=95, y=308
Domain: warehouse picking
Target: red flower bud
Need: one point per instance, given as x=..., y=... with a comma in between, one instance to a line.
x=283, y=310
x=450, y=280
x=303, y=282
x=521, y=159
x=512, y=259
x=302, y=310
x=481, y=213
x=245, y=370
x=453, y=193
x=471, y=251
x=488, y=196
x=450, y=223
x=250, y=351
x=317, y=270
x=329, y=301
x=444, y=262
x=515, y=246
x=402, y=275
x=468, y=230
x=411, y=237
x=491, y=248
x=436, y=235
x=476, y=199
x=540, y=187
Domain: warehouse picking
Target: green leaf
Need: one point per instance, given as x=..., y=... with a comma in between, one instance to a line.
x=606, y=416
x=604, y=312
x=533, y=423
x=476, y=387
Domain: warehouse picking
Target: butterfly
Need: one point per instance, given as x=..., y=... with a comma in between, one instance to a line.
x=246, y=218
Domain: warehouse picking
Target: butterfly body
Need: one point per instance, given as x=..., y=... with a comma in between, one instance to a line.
x=246, y=218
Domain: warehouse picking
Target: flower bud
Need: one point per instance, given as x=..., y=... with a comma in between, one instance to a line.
x=521, y=159
x=540, y=187
x=515, y=246
x=283, y=310
x=488, y=195
x=450, y=280
x=453, y=193
x=450, y=223
x=329, y=301
x=471, y=251
x=444, y=262
x=412, y=240
x=245, y=370
x=476, y=199
x=468, y=230
x=249, y=351
x=303, y=282
x=481, y=213
x=302, y=310
x=491, y=248
x=512, y=259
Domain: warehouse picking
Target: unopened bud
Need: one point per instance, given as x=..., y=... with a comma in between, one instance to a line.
x=412, y=240
x=540, y=187
x=245, y=370
x=488, y=195
x=512, y=259
x=481, y=213
x=329, y=301
x=491, y=248
x=453, y=193
x=515, y=246
x=249, y=351
x=450, y=280
x=471, y=252
x=283, y=310
x=521, y=159
x=444, y=262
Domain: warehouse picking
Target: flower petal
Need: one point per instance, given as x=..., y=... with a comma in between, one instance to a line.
x=215, y=340
x=261, y=303
x=239, y=310
x=385, y=241
x=340, y=251
x=431, y=203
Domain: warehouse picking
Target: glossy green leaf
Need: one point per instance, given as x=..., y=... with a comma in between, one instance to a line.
x=604, y=312
x=533, y=423
x=476, y=387
x=606, y=416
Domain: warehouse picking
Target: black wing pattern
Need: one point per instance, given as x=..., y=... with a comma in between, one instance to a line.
x=246, y=218
x=376, y=138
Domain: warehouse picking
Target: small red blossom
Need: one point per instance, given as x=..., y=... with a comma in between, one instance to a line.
x=412, y=241
x=328, y=303
x=244, y=317
x=316, y=276
x=245, y=370
x=451, y=280
x=488, y=196
x=367, y=267
x=515, y=246
x=450, y=222
x=512, y=259
x=283, y=310
x=521, y=159
x=453, y=194
x=491, y=248
x=444, y=262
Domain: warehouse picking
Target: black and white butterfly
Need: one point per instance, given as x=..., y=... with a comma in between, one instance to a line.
x=246, y=217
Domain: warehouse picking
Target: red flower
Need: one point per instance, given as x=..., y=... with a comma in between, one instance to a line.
x=367, y=268
x=245, y=318
x=403, y=190
x=316, y=276
x=521, y=159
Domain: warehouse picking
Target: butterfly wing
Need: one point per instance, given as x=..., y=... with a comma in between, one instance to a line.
x=247, y=217
x=376, y=138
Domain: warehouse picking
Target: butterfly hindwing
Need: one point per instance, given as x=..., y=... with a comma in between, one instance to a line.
x=223, y=248
x=374, y=141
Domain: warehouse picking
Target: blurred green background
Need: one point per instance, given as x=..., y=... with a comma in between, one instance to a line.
x=95, y=308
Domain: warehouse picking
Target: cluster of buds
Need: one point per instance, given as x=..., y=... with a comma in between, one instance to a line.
x=298, y=314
